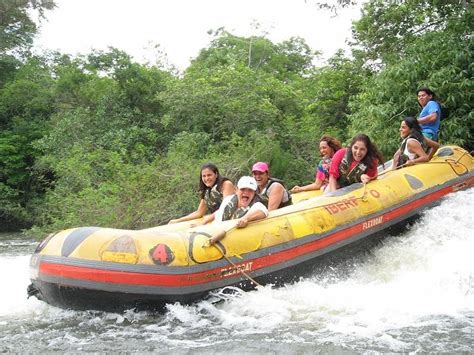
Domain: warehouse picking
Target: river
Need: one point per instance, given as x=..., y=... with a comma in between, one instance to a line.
x=412, y=293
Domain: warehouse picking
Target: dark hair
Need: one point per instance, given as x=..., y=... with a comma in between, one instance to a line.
x=332, y=142
x=372, y=150
x=428, y=91
x=219, y=180
x=414, y=125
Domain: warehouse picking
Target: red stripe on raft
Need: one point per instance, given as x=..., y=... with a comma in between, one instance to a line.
x=173, y=280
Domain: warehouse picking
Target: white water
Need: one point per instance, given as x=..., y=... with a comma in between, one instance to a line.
x=413, y=292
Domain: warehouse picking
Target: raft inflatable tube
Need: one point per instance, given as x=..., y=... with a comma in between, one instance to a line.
x=111, y=269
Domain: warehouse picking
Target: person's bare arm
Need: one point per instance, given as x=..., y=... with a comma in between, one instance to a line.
x=332, y=183
x=275, y=196
x=396, y=156
x=196, y=214
x=430, y=118
x=433, y=147
x=364, y=178
x=228, y=188
x=205, y=220
x=249, y=217
x=316, y=185
x=415, y=147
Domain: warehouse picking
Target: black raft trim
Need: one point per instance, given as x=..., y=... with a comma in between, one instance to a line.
x=75, y=238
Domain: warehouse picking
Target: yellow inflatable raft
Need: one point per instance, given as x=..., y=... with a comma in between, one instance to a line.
x=104, y=268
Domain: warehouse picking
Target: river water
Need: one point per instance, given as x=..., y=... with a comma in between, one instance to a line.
x=412, y=293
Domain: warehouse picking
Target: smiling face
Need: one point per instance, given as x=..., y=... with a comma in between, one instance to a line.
x=423, y=98
x=245, y=196
x=208, y=177
x=359, y=150
x=261, y=178
x=325, y=150
x=404, y=130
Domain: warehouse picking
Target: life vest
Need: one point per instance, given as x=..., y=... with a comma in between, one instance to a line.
x=213, y=199
x=231, y=211
x=264, y=194
x=403, y=158
x=348, y=177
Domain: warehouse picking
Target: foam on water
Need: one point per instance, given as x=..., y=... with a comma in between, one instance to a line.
x=413, y=292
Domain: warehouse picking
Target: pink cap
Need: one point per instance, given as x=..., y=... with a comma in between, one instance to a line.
x=260, y=166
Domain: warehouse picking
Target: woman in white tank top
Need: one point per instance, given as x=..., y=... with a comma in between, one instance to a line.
x=415, y=148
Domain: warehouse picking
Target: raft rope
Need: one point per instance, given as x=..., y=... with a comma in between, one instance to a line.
x=231, y=262
x=447, y=161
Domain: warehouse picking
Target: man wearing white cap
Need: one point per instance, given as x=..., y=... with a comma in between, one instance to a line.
x=244, y=205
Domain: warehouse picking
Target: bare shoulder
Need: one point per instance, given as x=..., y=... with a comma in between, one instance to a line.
x=276, y=186
x=228, y=188
x=228, y=183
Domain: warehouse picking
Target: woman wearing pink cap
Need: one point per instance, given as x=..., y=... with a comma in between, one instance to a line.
x=271, y=191
x=213, y=188
x=327, y=147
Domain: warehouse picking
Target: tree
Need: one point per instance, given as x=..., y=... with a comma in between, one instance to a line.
x=387, y=29
x=17, y=30
x=26, y=102
x=283, y=60
x=439, y=56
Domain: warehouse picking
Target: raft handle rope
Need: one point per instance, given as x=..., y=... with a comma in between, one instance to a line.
x=447, y=161
x=208, y=244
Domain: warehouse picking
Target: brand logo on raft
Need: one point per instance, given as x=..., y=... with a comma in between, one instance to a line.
x=232, y=270
x=344, y=204
x=347, y=203
x=372, y=222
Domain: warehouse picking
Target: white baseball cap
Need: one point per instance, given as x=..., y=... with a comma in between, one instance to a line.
x=247, y=182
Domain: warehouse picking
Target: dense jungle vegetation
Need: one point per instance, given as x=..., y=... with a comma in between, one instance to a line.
x=100, y=139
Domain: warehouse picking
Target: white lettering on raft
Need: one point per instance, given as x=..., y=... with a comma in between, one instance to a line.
x=372, y=222
x=232, y=270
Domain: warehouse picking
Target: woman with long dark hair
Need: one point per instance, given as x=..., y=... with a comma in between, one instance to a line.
x=328, y=146
x=357, y=163
x=212, y=189
x=415, y=148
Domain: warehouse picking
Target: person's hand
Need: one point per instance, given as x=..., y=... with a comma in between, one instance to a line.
x=173, y=221
x=410, y=162
x=365, y=178
x=242, y=223
x=296, y=189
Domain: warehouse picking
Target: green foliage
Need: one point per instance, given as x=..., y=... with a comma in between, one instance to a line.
x=282, y=61
x=29, y=94
x=99, y=188
x=386, y=29
x=16, y=26
x=99, y=139
x=228, y=100
x=331, y=87
x=17, y=30
x=441, y=60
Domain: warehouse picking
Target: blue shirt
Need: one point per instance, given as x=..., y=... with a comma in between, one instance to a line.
x=431, y=127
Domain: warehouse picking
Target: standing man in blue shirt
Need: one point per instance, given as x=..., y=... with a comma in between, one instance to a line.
x=430, y=115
